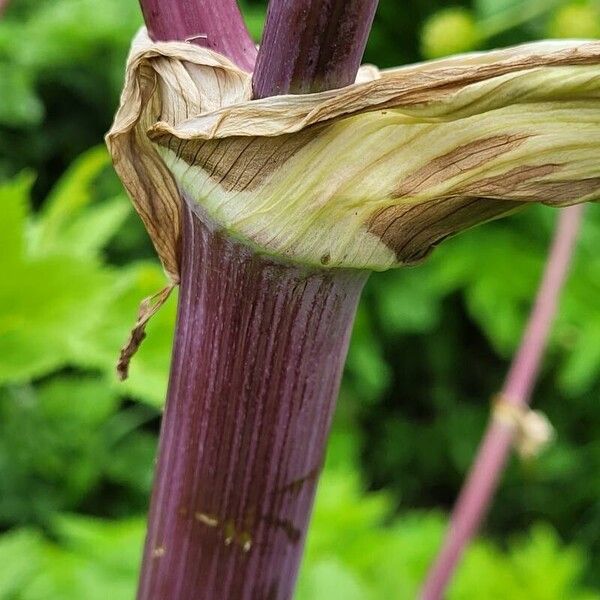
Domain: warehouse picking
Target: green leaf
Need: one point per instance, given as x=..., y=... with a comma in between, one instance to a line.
x=14, y=199
x=86, y=234
x=150, y=366
x=491, y=8
x=95, y=560
x=367, y=371
x=73, y=31
x=499, y=275
x=20, y=106
x=20, y=558
x=408, y=300
x=53, y=445
x=536, y=567
x=328, y=579
x=132, y=462
x=46, y=306
x=254, y=17
x=54, y=289
x=77, y=403
x=115, y=545
x=69, y=196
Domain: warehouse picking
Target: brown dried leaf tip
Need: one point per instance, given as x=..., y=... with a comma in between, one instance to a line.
x=148, y=307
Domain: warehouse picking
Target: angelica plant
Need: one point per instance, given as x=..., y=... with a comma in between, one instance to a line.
x=272, y=184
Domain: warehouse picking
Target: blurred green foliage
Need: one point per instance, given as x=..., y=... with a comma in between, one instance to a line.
x=430, y=346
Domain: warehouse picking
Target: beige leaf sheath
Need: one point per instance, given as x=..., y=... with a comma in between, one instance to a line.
x=370, y=176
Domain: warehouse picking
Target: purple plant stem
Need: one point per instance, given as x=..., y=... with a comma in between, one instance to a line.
x=311, y=45
x=259, y=351
x=258, y=355
x=482, y=481
x=215, y=24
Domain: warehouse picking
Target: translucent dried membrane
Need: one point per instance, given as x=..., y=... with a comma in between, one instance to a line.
x=370, y=176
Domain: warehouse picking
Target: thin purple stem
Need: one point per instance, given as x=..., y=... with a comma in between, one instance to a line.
x=311, y=45
x=525, y=367
x=482, y=481
x=215, y=24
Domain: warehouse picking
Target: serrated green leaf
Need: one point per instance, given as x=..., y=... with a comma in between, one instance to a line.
x=54, y=290
x=46, y=307
x=68, y=197
x=87, y=233
x=498, y=292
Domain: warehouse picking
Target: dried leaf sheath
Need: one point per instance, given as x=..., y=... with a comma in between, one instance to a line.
x=369, y=176
x=171, y=81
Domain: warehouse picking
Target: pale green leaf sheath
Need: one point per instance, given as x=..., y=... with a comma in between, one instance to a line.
x=371, y=176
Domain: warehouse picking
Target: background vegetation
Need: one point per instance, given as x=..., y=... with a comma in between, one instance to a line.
x=430, y=346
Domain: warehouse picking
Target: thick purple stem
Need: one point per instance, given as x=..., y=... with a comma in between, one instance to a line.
x=476, y=495
x=311, y=45
x=258, y=355
x=215, y=24
x=259, y=351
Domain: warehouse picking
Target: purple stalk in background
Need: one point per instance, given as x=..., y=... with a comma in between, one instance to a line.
x=311, y=45
x=476, y=495
x=258, y=354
